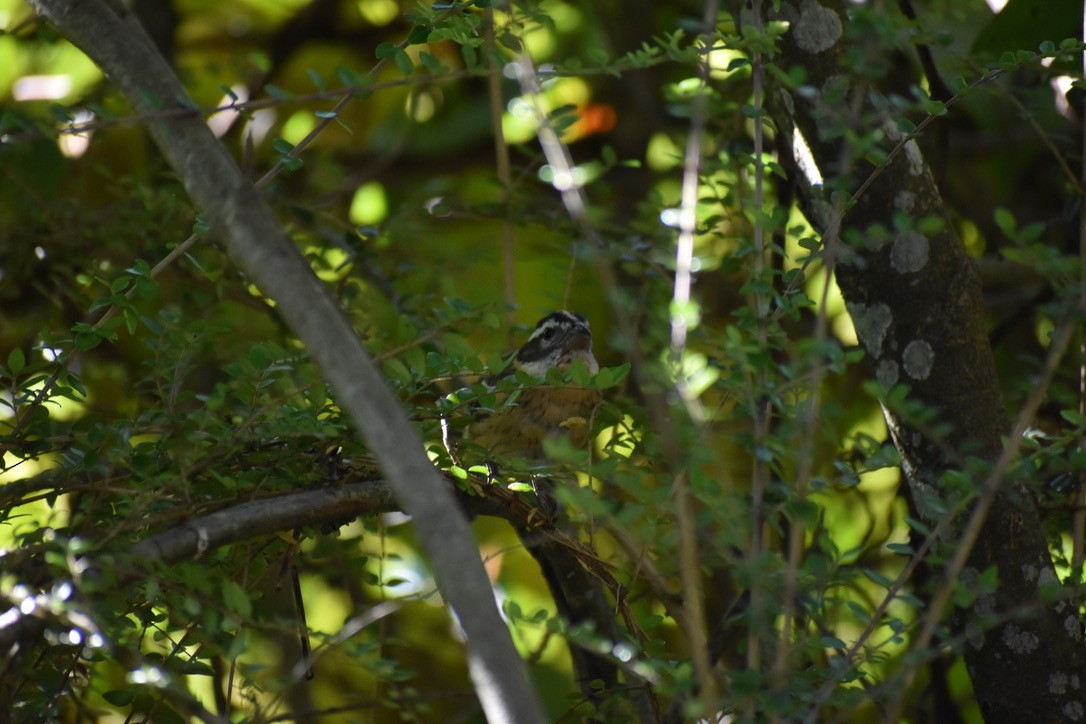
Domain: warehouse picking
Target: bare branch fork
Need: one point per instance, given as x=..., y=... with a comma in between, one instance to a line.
x=257, y=243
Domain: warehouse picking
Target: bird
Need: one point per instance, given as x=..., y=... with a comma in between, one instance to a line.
x=559, y=340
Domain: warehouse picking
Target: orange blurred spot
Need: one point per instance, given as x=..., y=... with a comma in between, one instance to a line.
x=595, y=118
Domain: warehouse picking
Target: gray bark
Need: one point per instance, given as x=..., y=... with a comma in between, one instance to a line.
x=916, y=304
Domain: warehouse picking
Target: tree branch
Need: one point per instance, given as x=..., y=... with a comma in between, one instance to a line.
x=257, y=243
x=579, y=594
x=266, y=516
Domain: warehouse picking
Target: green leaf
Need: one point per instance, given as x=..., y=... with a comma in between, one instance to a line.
x=471, y=58
x=403, y=62
x=350, y=77
x=282, y=145
x=385, y=50
x=119, y=697
x=1004, y=219
x=832, y=642
x=397, y=371
x=935, y=108
x=432, y=64
x=619, y=373
x=131, y=319
x=60, y=113
x=86, y=341
x=861, y=613
x=258, y=358
x=195, y=667
x=236, y=599
x=917, y=525
x=16, y=360
x=511, y=41
x=140, y=268
x=1031, y=232
x=578, y=372
x=317, y=78
x=1072, y=416
x=278, y=93
x=554, y=377
x=75, y=383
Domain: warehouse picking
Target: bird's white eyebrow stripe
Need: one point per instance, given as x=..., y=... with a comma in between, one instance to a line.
x=556, y=318
x=550, y=324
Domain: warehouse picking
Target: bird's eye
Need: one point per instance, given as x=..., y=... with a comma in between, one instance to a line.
x=548, y=333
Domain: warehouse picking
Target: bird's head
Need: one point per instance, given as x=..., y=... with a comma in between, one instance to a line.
x=557, y=341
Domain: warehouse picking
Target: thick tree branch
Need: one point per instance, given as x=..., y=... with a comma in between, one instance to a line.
x=578, y=594
x=915, y=300
x=267, y=516
x=578, y=587
x=257, y=243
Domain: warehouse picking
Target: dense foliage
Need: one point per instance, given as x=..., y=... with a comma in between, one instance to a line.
x=453, y=172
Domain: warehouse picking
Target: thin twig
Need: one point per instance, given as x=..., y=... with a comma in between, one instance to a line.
x=759, y=403
x=505, y=176
x=136, y=119
x=689, y=569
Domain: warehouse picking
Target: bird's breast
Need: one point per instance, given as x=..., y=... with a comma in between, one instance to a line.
x=539, y=413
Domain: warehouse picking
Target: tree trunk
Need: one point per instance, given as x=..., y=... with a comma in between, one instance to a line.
x=915, y=301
